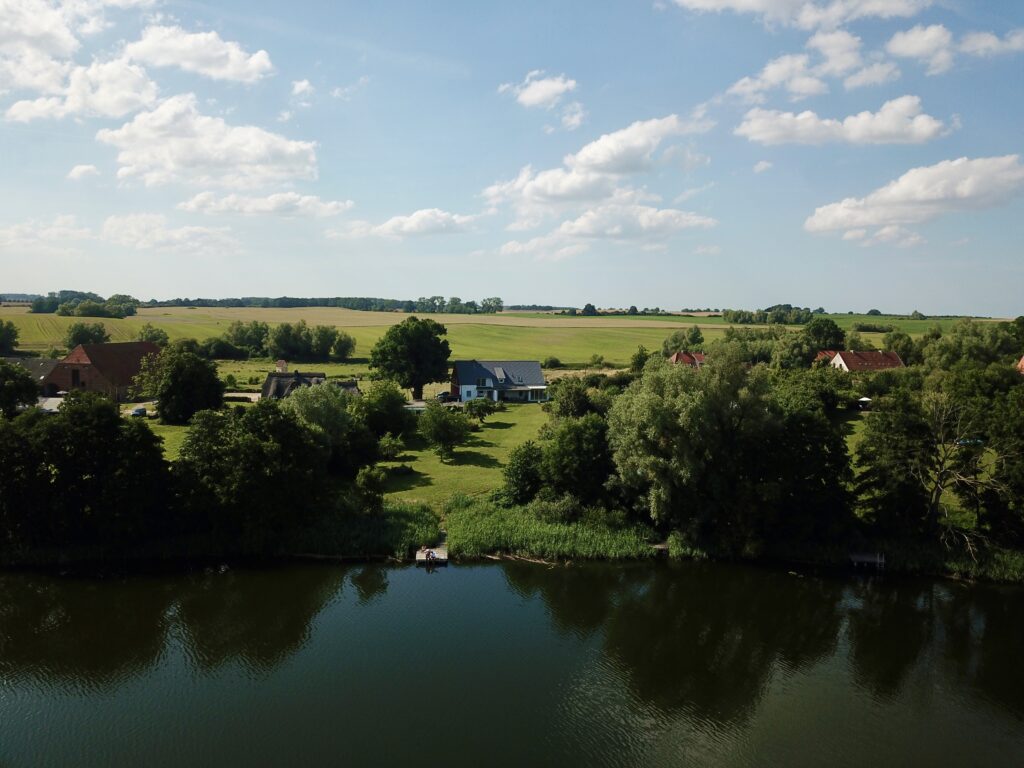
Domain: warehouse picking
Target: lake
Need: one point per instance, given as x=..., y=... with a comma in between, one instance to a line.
x=509, y=664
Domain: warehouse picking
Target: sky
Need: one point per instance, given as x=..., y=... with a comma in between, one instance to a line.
x=850, y=154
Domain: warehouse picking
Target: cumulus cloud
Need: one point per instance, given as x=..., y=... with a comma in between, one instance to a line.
x=932, y=45
x=149, y=231
x=811, y=15
x=633, y=223
x=427, y=221
x=791, y=72
x=873, y=74
x=103, y=89
x=53, y=237
x=302, y=88
x=279, y=204
x=919, y=195
x=630, y=149
x=987, y=44
x=203, y=53
x=840, y=49
x=573, y=116
x=763, y=165
x=899, y=121
x=81, y=171
x=536, y=90
x=174, y=142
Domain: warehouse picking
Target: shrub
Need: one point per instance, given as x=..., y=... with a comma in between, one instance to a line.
x=551, y=362
x=522, y=473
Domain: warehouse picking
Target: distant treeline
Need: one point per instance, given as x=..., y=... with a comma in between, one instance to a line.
x=534, y=307
x=777, y=314
x=86, y=304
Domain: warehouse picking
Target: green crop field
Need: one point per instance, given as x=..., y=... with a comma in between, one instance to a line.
x=509, y=335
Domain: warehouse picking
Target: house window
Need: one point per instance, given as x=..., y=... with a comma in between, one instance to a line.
x=75, y=378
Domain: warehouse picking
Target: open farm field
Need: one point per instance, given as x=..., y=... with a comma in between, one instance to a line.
x=531, y=336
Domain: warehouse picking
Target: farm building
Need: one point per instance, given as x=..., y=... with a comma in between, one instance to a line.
x=692, y=359
x=516, y=381
x=105, y=368
x=280, y=384
x=825, y=356
x=39, y=368
x=871, y=360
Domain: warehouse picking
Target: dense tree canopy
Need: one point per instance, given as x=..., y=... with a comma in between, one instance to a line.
x=85, y=333
x=413, y=354
x=17, y=389
x=8, y=337
x=181, y=382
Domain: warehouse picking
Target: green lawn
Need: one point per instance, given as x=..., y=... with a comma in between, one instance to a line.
x=477, y=466
x=172, y=436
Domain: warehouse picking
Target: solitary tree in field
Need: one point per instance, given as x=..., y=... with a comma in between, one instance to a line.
x=158, y=336
x=443, y=428
x=413, y=354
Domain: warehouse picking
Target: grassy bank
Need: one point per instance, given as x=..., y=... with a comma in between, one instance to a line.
x=478, y=527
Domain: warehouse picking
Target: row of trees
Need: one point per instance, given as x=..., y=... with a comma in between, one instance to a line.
x=84, y=304
x=777, y=314
x=248, y=480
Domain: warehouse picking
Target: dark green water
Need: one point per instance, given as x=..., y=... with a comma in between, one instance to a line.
x=509, y=665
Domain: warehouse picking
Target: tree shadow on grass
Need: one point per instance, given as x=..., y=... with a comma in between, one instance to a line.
x=498, y=425
x=405, y=479
x=474, y=459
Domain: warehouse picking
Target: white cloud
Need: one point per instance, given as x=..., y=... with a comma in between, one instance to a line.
x=791, y=72
x=632, y=223
x=302, y=88
x=103, y=89
x=840, y=49
x=81, y=171
x=427, y=221
x=891, y=234
x=280, y=204
x=932, y=45
x=630, y=149
x=707, y=250
x=41, y=237
x=346, y=92
x=539, y=91
x=811, y=15
x=763, y=165
x=174, y=142
x=573, y=116
x=987, y=44
x=149, y=231
x=284, y=116
x=899, y=121
x=692, y=192
x=627, y=222
x=922, y=194
x=203, y=53
x=873, y=74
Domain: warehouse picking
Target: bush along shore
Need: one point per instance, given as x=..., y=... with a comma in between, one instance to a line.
x=747, y=457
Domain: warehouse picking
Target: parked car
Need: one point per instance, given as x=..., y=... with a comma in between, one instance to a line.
x=139, y=413
x=444, y=397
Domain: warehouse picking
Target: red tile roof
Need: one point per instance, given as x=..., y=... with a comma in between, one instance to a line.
x=826, y=355
x=1020, y=365
x=119, y=363
x=870, y=360
x=692, y=359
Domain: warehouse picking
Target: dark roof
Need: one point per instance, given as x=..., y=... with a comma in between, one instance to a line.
x=870, y=360
x=505, y=374
x=38, y=367
x=280, y=385
x=119, y=362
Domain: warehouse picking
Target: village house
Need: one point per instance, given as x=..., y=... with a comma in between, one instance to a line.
x=514, y=381
x=870, y=360
x=108, y=369
x=39, y=368
x=280, y=384
x=692, y=359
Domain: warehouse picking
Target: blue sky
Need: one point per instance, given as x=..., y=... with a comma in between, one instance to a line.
x=740, y=153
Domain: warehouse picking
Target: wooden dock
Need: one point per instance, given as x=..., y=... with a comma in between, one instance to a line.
x=431, y=556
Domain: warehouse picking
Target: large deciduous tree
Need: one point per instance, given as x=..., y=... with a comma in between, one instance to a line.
x=413, y=354
x=8, y=336
x=16, y=389
x=182, y=383
x=85, y=333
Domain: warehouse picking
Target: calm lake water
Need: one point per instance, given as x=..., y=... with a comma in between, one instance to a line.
x=509, y=664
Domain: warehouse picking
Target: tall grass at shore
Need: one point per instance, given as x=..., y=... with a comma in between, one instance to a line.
x=478, y=527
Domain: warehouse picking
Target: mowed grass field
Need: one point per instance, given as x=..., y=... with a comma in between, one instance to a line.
x=509, y=335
